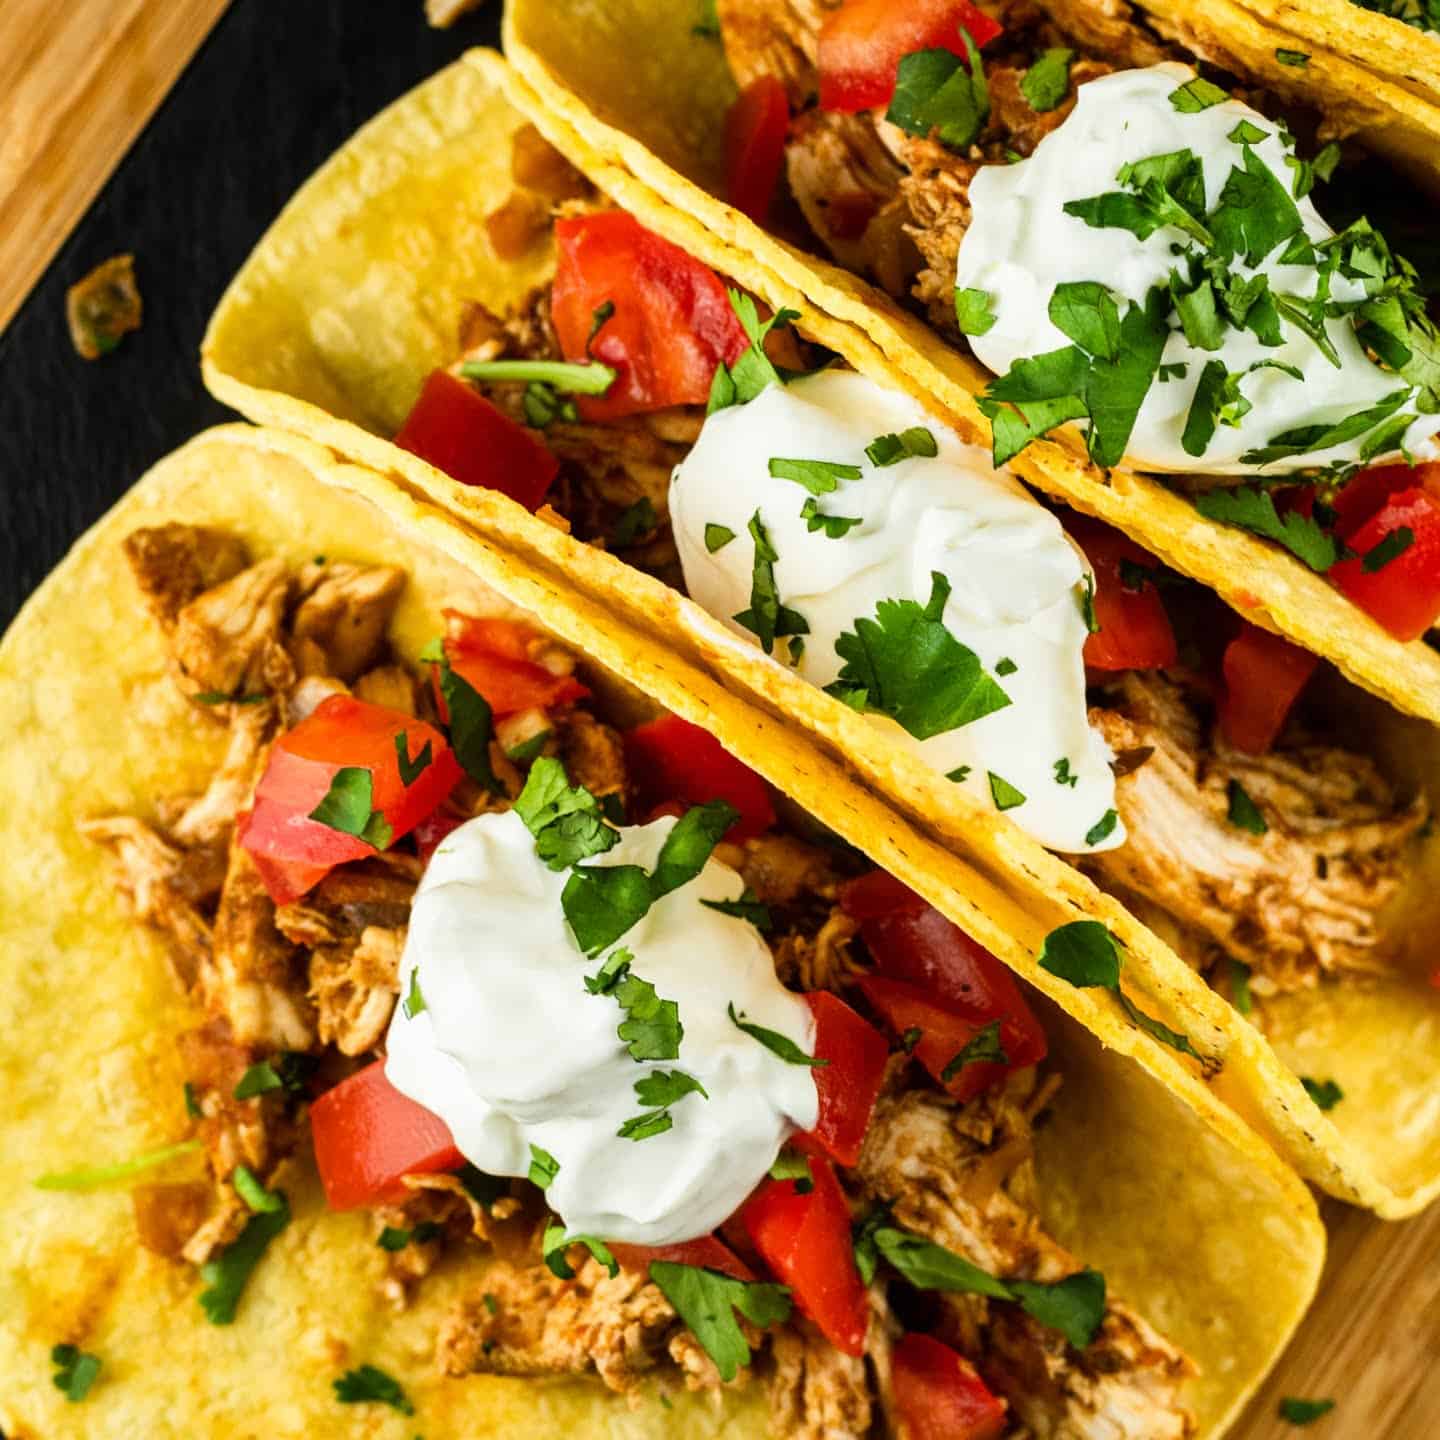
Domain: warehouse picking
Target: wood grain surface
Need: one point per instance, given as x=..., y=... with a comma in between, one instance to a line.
x=77, y=83
x=78, y=80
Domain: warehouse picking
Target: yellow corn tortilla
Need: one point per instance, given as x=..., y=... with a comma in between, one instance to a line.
x=1193, y=1220
x=1396, y=52
x=350, y=300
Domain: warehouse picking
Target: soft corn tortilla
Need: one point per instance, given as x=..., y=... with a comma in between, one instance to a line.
x=1192, y=1219
x=352, y=297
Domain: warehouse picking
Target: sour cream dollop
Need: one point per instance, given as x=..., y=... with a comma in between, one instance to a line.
x=511, y=1050
x=1021, y=244
x=1015, y=579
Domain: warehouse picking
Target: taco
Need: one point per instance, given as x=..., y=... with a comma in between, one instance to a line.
x=1281, y=874
x=234, y=972
x=1303, y=383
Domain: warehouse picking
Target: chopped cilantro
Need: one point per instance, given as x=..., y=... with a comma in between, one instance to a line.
x=792, y=1165
x=346, y=807
x=767, y=619
x=1195, y=95
x=1247, y=134
x=1005, y=666
x=414, y=1001
x=219, y=697
x=1003, y=793
x=1253, y=508
x=1325, y=1093
x=257, y=1198
x=1064, y=775
x=707, y=1301
x=610, y=974
x=561, y=375
x=836, y=527
x=707, y=24
x=1304, y=1412
x=1394, y=545
x=470, y=725
x=652, y=1029
x=775, y=1042
x=665, y=1087
x=1086, y=597
x=542, y=407
x=643, y=1127
x=717, y=537
x=1240, y=986
x=741, y=382
x=393, y=1239
x=75, y=1371
x=566, y=821
x=556, y=1242
x=819, y=477
x=1103, y=828
x=934, y=91
x=973, y=312
x=1047, y=82
x=1255, y=215
x=983, y=1047
x=288, y=1071
x=598, y=319
x=1296, y=58
x=911, y=1038
x=226, y=1275
x=633, y=522
x=1166, y=373
x=544, y=1167
x=747, y=907
x=411, y=770
x=890, y=449
x=906, y=664
x=192, y=1103
x=960, y=774
x=1243, y=813
x=602, y=902
x=369, y=1384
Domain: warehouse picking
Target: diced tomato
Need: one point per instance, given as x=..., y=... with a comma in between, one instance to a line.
x=755, y=132
x=671, y=759
x=942, y=1034
x=849, y=1085
x=1264, y=676
x=457, y=430
x=913, y=943
x=939, y=1396
x=1135, y=632
x=342, y=732
x=862, y=44
x=805, y=1241
x=709, y=1252
x=368, y=1135
x=493, y=656
x=1403, y=593
x=672, y=322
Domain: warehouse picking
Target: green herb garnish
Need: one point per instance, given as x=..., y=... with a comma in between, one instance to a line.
x=775, y=1042
x=369, y=1384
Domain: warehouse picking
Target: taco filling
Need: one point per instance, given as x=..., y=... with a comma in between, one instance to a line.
x=708, y=1097
x=1123, y=244
x=1038, y=659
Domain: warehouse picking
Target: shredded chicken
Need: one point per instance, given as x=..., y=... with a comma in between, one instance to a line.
x=227, y=640
x=1108, y=28
x=1298, y=902
x=593, y=754
x=780, y=868
x=210, y=818
x=822, y=961
x=919, y=1156
x=173, y=564
x=354, y=989
x=816, y=1391
x=339, y=627
x=774, y=37
x=527, y=1322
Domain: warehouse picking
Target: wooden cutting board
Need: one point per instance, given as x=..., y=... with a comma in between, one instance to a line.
x=78, y=82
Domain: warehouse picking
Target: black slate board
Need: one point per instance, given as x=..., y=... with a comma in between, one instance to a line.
x=277, y=86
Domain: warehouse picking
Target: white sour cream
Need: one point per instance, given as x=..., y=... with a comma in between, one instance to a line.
x=1021, y=244
x=1015, y=578
x=511, y=1050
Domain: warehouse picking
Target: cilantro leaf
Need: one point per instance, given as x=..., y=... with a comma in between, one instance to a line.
x=819, y=477
x=1303, y=1412
x=370, y=1384
x=643, y=1127
x=1075, y=1306
x=394, y=1240
x=257, y=1198
x=1240, y=986
x=1083, y=952
x=1085, y=312
x=1391, y=547
x=1325, y=1093
x=864, y=1230
x=565, y=820
x=632, y=522
x=911, y=668
x=544, y=1167
x=289, y=1071
x=1246, y=133
x=470, y=726
x=1243, y=813
x=1295, y=58
x=983, y=1047
x=555, y=1242
x=414, y=1001
x=1255, y=215
x=890, y=449
x=225, y=1275
x=542, y=407
x=1253, y=508
x=934, y=92
x=653, y=1030
x=689, y=845
x=836, y=527
x=664, y=1087
x=1003, y=793
x=1047, y=82
x=1115, y=389
x=411, y=770
x=707, y=1301
x=611, y=973
x=346, y=807
x=1103, y=828
x=747, y=907
x=602, y=902
x=973, y=312
x=1175, y=1039
x=792, y=1165
x=775, y=1042
x=754, y=371
x=75, y=1371
x=1195, y=95
x=1064, y=775
x=767, y=618
x=717, y=537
